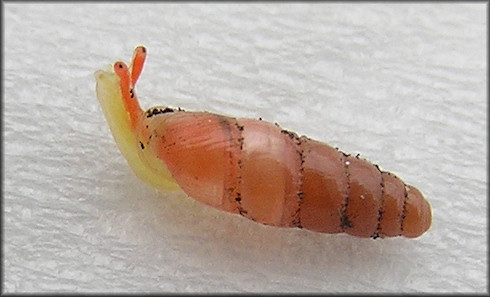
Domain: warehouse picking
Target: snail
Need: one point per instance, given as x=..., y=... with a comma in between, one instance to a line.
x=254, y=168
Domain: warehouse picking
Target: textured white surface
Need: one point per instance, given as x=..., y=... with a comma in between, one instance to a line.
x=403, y=85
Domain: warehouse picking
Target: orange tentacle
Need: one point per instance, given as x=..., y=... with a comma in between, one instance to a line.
x=129, y=97
x=139, y=57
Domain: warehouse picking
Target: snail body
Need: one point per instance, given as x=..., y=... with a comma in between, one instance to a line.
x=255, y=168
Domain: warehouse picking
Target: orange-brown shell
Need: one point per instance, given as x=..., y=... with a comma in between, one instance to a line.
x=272, y=176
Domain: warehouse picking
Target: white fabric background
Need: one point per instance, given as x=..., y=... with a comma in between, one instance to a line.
x=403, y=85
